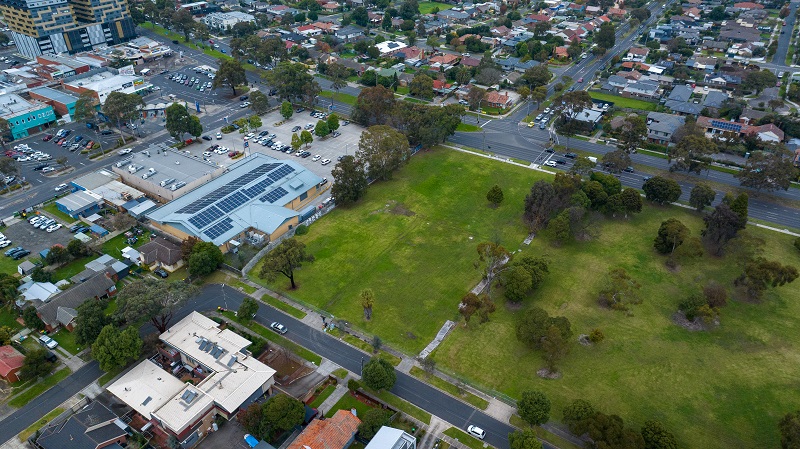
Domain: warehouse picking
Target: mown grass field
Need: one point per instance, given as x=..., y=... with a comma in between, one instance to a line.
x=413, y=242
x=623, y=102
x=427, y=7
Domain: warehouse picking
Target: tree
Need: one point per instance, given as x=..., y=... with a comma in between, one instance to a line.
x=36, y=364
x=421, y=86
x=247, y=310
x=284, y=259
x=293, y=82
x=631, y=201
x=540, y=205
x=5, y=335
x=569, y=106
x=661, y=190
x=321, y=129
x=183, y=22
x=282, y=413
x=333, y=122
x=605, y=37
x=488, y=76
x=671, y=235
x=769, y=171
x=57, y=255
x=178, y=119
x=251, y=419
x=259, y=102
x=656, y=436
x=31, y=318
x=721, y=226
x=230, y=74
x=113, y=349
x=306, y=137
x=90, y=321
x=372, y=421
x=632, y=132
x=383, y=150
x=205, y=258
x=759, y=79
x=616, y=161
x=8, y=166
x=620, y=290
x=739, y=206
x=367, y=297
x=760, y=274
x=409, y=9
x=538, y=94
x=577, y=415
x=554, y=348
x=296, y=142
x=39, y=274
x=534, y=407
x=152, y=299
x=517, y=282
x=789, y=427
x=474, y=97
x=532, y=328
x=338, y=75
x=495, y=195
x=349, y=181
x=86, y=107
x=122, y=108
x=524, y=92
x=374, y=106
x=378, y=374
x=286, y=110
x=536, y=76
x=582, y=166
x=691, y=153
x=524, y=439
x=492, y=258
x=701, y=196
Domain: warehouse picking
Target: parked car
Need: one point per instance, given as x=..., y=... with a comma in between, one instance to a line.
x=48, y=342
x=278, y=327
x=206, y=138
x=47, y=138
x=325, y=161
x=21, y=254
x=296, y=128
x=219, y=136
x=13, y=250
x=160, y=272
x=476, y=431
x=4, y=243
x=571, y=155
x=550, y=163
x=316, y=158
x=54, y=227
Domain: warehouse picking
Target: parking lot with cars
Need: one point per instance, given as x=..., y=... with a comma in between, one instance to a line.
x=34, y=238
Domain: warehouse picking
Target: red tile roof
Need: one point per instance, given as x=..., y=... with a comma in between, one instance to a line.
x=748, y=5
x=10, y=360
x=331, y=433
x=438, y=84
x=495, y=97
x=639, y=51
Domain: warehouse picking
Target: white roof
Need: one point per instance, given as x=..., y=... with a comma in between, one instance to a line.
x=146, y=387
x=390, y=438
x=183, y=409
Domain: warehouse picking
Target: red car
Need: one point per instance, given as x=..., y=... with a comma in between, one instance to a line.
x=90, y=144
x=61, y=141
x=47, y=138
x=234, y=153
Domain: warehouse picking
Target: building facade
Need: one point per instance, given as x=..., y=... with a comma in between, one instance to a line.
x=66, y=26
x=24, y=116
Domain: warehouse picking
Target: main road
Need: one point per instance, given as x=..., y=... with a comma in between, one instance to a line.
x=407, y=387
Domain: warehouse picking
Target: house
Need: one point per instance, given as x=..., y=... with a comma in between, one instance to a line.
x=25, y=268
x=680, y=93
x=637, y=54
x=308, y=30
x=442, y=87
x=715, y=99
x=93, y=427
x=389, y=437
x=388, y=47
x=661, y=126
x=444, y=59
x=495, y=99
x=161, y=253
x=114, y=268
x=748, y=5
x=60, y=311
x=337, y=432
x=451, y=16
x=617, y=81
x=513, y=63
x=684, y=107
x=226, y=377
x=720, y=127
x=470, y=61
x=38, y=291
x=561, y=53
x=410, y=53
x=593, y=11
x=11, y=362
x=500, y=31
x=349, y=34
x=331, y=7
x=576, y=8
x=616, y=13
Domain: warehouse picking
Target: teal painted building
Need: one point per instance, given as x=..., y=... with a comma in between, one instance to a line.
x=25, y=117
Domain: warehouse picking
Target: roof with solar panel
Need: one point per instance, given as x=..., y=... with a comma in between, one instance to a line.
x=253, y=193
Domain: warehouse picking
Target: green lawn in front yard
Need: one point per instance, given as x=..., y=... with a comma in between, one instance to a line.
x=66, y=340
x=72, y=268
x=427, y=7
x=348, y=402
x=52, y=209
x=39, y=388
x=623, y=102
x=413, y=241
x=9, y=318
x=114, y=246
x=721, y=388
x=322, y=396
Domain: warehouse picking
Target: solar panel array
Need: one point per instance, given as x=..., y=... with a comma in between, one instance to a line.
x=257, y=189
x=273, y=196
x=228, y=188
x=726, y=126
x=220, y=228
x=281, y=172
x=206, y=217
x=232, y=202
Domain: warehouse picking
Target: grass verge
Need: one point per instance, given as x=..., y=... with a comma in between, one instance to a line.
x=106, y=378
x=322, y=396
x=442, y=384
x=341, y=373
x=223, y=277
x=278, y=339
x=340, y=97
x=400, y=404
x=366, y=347
x=52, y=209
x=463, y=438
x=622, y=102
x=25, y=434
x=464, y=127
x=39, y=388
x=282, y=306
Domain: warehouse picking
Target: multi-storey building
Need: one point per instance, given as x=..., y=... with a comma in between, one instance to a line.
x=66, y=26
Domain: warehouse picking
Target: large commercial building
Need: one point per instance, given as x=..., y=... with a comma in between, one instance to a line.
x=66, y=26
x=259, y=197
x=106, y=82
x=24, y=116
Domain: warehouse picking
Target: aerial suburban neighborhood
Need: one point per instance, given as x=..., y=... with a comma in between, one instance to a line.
x=399, y=224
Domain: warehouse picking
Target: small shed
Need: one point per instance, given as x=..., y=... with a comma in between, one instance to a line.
x=98, y=230
x=25, y=268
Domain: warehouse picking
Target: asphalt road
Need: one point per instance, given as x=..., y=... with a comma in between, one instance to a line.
x=418, y=393
x=785, y=39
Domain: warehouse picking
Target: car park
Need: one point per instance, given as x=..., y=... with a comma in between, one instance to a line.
x=476, y=431
x=48, y=342
x=278, y=327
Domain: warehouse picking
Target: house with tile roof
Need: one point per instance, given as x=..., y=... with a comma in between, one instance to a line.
x=60, y=310
x=661, y=126
x=748, y=5
x=11, y=362
x=442, y=87
x=161, y=253
x=616, y=13
x=496, y=99
x=94, y=427
x=337, y=432
x=561, y=53
x=722, y=128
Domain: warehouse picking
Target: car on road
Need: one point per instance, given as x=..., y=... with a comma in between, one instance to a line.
x=219, y=136
x=106, y=132
x=124, y=152
x=206, y=138
x=580, y=80
x=48, y=342
x=61, y=187
x=160, y=272
x=539, y=117
x=278, y=327
x=550, y=163
x=549, y=150
x=316, y=158
x=546, y=110
x=476, y=431
x=628, y=169
x=296, y=128
x=325, y=161
x=19, y=255
x=542, y=125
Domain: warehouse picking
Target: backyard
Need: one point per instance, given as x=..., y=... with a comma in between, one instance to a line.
x=412, y=240
x=623, y=102
x=428, y=7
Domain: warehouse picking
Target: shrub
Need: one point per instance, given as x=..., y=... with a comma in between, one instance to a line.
x=596, y=336
x=691, y=306
x=227, y=129
x=301, y=230
x=353, y=385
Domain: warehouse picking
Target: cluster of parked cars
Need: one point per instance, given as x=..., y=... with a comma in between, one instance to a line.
x=218, y=149
x=24, y=153
x=45, y=223
x=197, y=83
x=541, y=119
x=8, y=60
x=4, y=241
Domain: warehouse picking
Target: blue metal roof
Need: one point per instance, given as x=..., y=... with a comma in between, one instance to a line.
x=55, y=95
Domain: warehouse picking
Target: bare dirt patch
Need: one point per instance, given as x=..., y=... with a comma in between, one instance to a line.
x=696, y=325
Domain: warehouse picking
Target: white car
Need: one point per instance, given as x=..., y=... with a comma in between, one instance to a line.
x=61, y=187
x=476, y=431
x=550, y=163
x=54, y=227
x=4, y=243
x=325, y=161
x=316, y=158
x=278, y=327
x=219, y=136
x=23, y=159
x=124, y=152
x=48, y=342
x=206, y=154
x=48, y=169
x=250, y=135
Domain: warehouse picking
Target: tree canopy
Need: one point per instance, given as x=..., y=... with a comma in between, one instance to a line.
x=113, y=349
x=383, y=150
x=379, y=374
x=284, y=259
x=230, y=74
x=90, y=321
x=204, y=259
x=154, y=300
x=534, y=407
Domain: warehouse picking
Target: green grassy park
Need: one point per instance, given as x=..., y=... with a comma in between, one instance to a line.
x=623, y=102
x=427, y=7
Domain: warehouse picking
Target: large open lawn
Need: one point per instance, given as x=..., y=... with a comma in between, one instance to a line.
x=413, y=242
x=427, y=7
x=724, y=388
x=623, y=102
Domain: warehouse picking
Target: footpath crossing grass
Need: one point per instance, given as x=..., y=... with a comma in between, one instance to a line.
x=622, y=102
